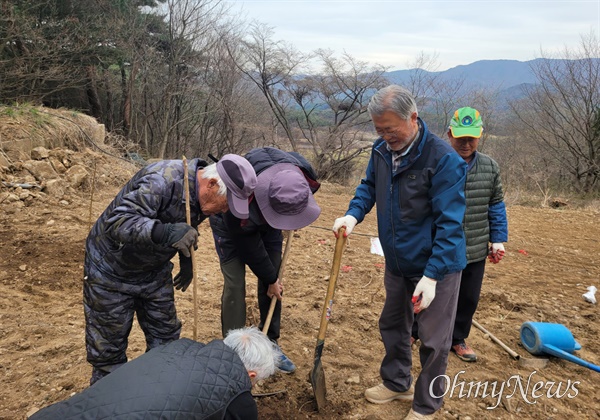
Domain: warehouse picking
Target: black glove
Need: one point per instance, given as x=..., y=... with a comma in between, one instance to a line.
x=180, y=236
x=183, y=279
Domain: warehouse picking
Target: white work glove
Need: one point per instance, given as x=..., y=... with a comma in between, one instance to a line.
x=424, y=293
x=496, y=252
x=348, y=221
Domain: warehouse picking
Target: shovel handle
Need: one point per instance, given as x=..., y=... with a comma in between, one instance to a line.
x=286, y=253
x=510, y=351
x=335, y=270
x=188, y=219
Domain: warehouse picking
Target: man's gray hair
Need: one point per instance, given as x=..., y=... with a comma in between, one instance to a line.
x=211, y=172
x=257, y=352
x=393, y=98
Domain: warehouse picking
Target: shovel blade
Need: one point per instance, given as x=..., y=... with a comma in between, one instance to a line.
x=317, y=379
x=532, y=363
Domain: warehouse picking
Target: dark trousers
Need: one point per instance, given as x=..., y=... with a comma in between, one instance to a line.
x=435, y=330
x=233, y=300
x=109, y=308
x=468, y=298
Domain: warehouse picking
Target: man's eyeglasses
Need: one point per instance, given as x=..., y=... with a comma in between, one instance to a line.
x=386, y=131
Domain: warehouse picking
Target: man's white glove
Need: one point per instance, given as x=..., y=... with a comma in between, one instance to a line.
x=424, y=293
x=348, y=221
x=496, y=252
x=497, y=247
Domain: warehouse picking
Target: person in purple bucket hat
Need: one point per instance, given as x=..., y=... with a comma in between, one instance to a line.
x=283, y=200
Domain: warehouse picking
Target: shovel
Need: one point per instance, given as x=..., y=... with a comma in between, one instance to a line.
x=288, y=245
x=317, y=376
x=537, y=363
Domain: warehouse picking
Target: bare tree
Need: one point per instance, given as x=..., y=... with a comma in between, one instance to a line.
x=322, y=111
x=270, y=64
x=561, y=111
x=446, y=96
x=332, y=111
x=175, y=95
x=233, y=107
x=436, y=97
x=423, y=77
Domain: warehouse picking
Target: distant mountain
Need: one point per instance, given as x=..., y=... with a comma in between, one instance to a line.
x=495, y=74
x=512, y=93
x=510, y=79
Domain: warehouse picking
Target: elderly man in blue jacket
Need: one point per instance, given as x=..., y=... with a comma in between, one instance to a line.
x=417, y=181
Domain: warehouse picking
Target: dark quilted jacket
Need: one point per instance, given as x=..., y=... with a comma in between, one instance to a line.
x=120, y=243
x=262, y=158
x=485, y=218
x=183, y=379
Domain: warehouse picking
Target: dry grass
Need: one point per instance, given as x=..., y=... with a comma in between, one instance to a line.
x=24, y=127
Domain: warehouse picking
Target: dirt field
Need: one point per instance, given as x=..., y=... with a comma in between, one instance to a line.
x=552, y=257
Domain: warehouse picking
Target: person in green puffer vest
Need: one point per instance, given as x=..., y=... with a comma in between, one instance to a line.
x=485, y=224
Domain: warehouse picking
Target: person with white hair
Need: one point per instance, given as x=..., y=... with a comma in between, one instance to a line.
x=181, y=379
x=127, y=269
x=417, y=182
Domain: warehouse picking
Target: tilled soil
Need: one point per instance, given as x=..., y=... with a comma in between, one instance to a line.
x=552, y=257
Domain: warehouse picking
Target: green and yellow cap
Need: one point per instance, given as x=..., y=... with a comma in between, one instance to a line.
x=466, y=122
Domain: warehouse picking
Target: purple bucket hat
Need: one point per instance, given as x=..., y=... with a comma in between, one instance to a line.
x=284, y=197
x=240, y=179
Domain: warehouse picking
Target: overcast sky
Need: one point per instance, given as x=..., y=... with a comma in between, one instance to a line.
x=394, y=32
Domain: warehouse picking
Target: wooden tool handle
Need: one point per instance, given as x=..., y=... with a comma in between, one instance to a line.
x=288, y=245
x=497, y=341
x=335, y=270
x=188, y=219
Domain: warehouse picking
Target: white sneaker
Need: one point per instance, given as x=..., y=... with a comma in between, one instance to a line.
x=380, y=394
x=413, y=415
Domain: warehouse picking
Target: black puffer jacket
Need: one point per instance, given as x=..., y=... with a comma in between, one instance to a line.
x=264, y=157
x=243, y=238
x=183, y=379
